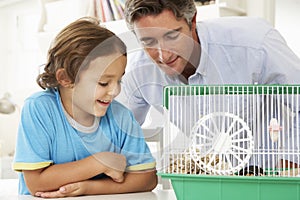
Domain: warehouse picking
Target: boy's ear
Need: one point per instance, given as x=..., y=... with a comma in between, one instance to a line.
x=62, y=78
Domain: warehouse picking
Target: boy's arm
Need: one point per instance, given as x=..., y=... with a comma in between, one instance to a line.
x=133, y=182
x=57, y=175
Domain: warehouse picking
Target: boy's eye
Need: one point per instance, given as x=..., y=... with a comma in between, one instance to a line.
x=103, y=84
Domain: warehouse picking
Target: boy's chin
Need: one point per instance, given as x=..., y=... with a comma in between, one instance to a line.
x=100, y=113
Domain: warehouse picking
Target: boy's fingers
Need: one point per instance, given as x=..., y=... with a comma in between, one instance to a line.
x=119, y=180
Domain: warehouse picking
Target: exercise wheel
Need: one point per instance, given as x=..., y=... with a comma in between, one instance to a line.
x=222, y=143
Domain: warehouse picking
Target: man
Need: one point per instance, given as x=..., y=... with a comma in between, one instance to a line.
x=180, y=51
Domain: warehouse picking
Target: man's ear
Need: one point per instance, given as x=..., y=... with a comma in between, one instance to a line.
x=63, y=79
x=194, y=20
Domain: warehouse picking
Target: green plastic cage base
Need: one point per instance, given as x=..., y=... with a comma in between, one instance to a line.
x=207, y=187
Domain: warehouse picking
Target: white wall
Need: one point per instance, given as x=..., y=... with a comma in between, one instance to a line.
x=19, y=62
x=287, y=21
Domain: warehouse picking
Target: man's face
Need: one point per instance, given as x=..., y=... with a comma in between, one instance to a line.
x=167, y=41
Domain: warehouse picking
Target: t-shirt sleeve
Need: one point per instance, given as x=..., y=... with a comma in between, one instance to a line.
x=131, y=141
x=33, y=144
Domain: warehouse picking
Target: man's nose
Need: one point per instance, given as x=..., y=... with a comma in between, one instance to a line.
x=163, y=53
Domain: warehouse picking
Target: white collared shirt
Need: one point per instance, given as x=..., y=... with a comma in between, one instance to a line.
x=234, y=50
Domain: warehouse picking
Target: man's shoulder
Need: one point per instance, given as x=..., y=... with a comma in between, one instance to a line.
x=235, y=30
x=237, y=22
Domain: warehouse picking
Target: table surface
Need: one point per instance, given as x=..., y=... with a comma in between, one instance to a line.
x=9, y=191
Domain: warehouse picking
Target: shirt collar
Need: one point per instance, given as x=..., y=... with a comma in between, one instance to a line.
x=202, y=35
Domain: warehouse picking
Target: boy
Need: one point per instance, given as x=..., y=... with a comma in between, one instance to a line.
x=73, y=138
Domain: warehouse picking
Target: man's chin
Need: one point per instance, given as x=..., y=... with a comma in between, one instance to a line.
x=171, y=74
x=169, y=71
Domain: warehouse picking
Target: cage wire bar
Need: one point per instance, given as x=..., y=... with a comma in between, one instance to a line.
x=232, y=130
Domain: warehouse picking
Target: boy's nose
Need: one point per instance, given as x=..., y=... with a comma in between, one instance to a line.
x=114, y=91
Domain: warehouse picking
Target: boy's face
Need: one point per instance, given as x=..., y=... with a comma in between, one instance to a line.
x=167, y=41
x=98, y=85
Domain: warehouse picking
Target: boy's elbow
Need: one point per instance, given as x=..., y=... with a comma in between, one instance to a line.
x=33, y=188
x=36, y=187
x=35, y=183
x=152, y=182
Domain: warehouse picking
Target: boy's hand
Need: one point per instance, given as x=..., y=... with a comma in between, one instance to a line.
x=70, y=190
x=114, y=166
x=114, y=163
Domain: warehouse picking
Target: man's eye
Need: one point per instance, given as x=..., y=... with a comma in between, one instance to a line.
x=173, y=36
x=148, y=43
x=103, y=84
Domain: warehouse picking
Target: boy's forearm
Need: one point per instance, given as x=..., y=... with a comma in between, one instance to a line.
x=134, y=182
x=52, y=177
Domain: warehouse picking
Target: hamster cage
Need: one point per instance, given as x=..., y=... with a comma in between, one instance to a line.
x=232, y=142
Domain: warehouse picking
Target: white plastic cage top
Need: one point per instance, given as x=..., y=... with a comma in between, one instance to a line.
x=232, y=130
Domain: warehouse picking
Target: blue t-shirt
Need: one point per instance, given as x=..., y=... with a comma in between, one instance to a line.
x=45, y=136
